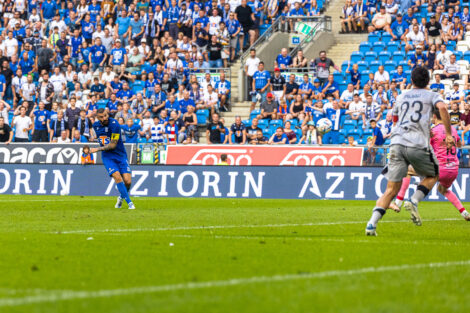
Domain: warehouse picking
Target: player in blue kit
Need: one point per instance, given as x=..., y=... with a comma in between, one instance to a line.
x=114, y=154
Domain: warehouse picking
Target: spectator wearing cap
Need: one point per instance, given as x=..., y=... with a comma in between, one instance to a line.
x=451, y=69
x=414, y=38
x=434, y=31
x=278, y=85
x=418, y=58
x=283, y=60
x=381, y=21
x=399, y=28
x=260, y=85
x=269, y=108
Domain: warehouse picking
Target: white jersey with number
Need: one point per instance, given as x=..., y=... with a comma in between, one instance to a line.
x=414, y=110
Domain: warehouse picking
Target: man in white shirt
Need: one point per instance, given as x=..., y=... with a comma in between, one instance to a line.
x=11, y=45
x=63, y=138
x=205, y=83
x=382, y=77
x=442, y=58
x=381, y=21
x=28, y=90
x=347, y=96
x=356, y=107
x=414, y=38
x=251, y=66
x=17, y=82
x=57, y=22
x=59, y=82
x=23, y=125
x=211, y=99
x=84, y=77
x=147, y=122
x=451, y=69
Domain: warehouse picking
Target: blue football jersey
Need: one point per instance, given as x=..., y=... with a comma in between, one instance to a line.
x=105, y=134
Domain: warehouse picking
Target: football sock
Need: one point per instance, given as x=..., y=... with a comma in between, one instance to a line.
x=419, y=195
x=377, y=214
x=452, y=197
x=401, y=194
x=123, y=190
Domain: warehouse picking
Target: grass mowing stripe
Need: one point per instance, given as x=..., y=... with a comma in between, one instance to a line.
x=74, y=295
x=130, y=230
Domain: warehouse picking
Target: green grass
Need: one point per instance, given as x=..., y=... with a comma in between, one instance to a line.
x=72, y=254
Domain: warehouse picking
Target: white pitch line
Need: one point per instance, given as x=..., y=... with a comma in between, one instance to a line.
x=106, y=293
x=55, y=200
x=131, y=230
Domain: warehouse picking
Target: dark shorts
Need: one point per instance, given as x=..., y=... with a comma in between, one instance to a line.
x=40, y=135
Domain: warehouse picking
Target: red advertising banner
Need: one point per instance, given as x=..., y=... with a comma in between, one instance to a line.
x=264, y=155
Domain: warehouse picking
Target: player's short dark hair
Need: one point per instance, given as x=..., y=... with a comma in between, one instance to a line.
x=420, y=77
x=101, y=110
x=223, y=157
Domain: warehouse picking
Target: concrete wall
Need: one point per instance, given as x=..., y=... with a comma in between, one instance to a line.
x=323, y=41
x=271, y=49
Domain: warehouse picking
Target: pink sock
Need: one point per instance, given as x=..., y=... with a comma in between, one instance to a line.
x=404, y=187
x=454, y=200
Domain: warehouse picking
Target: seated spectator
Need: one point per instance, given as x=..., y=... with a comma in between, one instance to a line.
x=292, y=88
x=238, y=132
x=132, y=131
x=190, y=123
x=348, y=17
x=214, y=131
x=290, y=133
x=23, y=124
x=6, y=133
x=283, y=110
x=125, y=113
x=414, y=39
x=455, y=115
x=455, y=96
x=437, y=86
x=400, y=78
x=64, y=138
x=252, y=131
x=391, y=7
x=451, y=69
x=465, y=119
x=356, y=107
x=97, y=88
x=399, y=28
x=311, y=137
x=380, y=97
x=269, y=108
x=347, y=96
x=331, y=88
x=259, y=138
x=381, y=21
x=279, y=138
x=297, y=107
x=146, y=123
x=171, y=132
x=418, y=58
x=223, y=88
x=172, y=105
x=211, y=100
x=456, y=30
x=139, y=106
x=179, y=123
x=361, y=18
x=77, y=138
x=306, y=88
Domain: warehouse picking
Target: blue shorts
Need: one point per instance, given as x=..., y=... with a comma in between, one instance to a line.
x=116, y=165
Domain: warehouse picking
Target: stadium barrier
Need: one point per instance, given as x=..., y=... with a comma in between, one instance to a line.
x=339, y=183
x=52, y=153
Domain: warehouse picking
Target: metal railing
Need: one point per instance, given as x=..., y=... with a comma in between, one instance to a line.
x=324, y=24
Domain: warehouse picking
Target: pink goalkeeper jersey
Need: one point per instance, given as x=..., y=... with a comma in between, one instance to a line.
x=446, y=157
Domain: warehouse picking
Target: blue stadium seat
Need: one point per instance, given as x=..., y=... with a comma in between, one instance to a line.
x=356, y=133
x=247, y=123
x=364, y=77
x=378, y=47
x=405, y=65
x=362, y=141
x=276, y=123
x=451, y=45
x=101, y=104
x=408, y=75
x=363, y=66
x=458, y=55
x=202, y=116
x=373, y=38
x=137, y=86
x=384, y=56
x=294, y=123
x=386, y=37
x=263, y=124
x=142, y=140
x=343, y=86
x=338, y=77
x=349, y=125
x=344, y=66
x=398, y=56
x=370, y=56
x=254, y=114
x=344, y=132
x=298, y=133
x=374, y=66
x=390, y=66
x=365, y=46
x=267, y=132
x=393, y=46
x=356, y=56
x=466, y=56
x=387, y=142
x=367, y=133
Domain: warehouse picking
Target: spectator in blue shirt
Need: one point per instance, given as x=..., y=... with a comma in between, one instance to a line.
x=94, y=9
x=331, y=88
x=437, y=86
x=355, y=76
x=118, y=57
x=97, y=56
x=126, y=95
x=296, y=11
x=172, y=105
x=306, y=88
x=41, y=122
x=136, y=29
x=131, y=131
x=122, y=23
x=400, y=77
x=49, y=9
x=283, y=60
x=279, y=138
x=87, y=29
x=260, y=85
x=418, y=58
x=400, y=28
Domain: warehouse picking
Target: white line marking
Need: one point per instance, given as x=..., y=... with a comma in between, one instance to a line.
x=131, y=230
x=74, y=295
x=55, y=200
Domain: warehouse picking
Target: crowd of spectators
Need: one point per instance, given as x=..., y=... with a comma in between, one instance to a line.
x=144, y=60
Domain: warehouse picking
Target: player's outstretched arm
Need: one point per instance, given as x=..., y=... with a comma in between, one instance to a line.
x=445, y=117
x=110, y=146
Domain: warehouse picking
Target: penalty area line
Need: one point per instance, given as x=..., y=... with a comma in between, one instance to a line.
x=131, y=230
x=106, y=293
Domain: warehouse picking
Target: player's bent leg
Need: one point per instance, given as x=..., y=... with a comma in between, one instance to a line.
x=379, y=210
x=122, y=189
x=452, y=197
x=401, y=194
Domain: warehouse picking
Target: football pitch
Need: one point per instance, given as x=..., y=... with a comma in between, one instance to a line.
x=79, y=254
